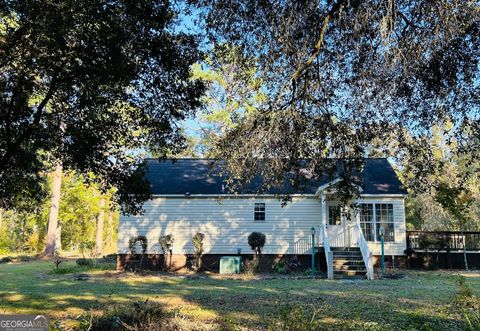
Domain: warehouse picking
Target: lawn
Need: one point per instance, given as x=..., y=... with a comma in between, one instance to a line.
x=420, y=300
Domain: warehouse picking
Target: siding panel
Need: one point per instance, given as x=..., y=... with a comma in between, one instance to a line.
x=227, y=223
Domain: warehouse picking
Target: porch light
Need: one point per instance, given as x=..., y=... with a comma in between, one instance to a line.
x=381, y=231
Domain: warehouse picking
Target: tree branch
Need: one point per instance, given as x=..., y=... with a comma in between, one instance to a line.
x=11, y=148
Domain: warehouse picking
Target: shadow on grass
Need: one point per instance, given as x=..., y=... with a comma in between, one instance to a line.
x=419, y=302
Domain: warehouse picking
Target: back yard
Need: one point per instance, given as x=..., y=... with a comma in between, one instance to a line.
x=419, y=300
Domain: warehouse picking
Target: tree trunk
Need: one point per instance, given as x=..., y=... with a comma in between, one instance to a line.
x=54, y=207
x=99, y=237
x=58, y=238
x=465, y=251
x=110, y=230
x=12, y=223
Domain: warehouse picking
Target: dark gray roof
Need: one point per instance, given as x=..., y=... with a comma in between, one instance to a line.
x=198, y=176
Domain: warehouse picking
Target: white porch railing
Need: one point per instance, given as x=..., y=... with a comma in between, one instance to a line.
x=303, y=246
x=352, y=236
x=328, y=251
x=346, y=237
x=366, y=254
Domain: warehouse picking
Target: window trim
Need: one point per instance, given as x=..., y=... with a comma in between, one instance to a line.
x=374, y=220
x=260, y=211
x=339, y=215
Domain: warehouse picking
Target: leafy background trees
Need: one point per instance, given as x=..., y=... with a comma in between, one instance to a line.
x=24, y=230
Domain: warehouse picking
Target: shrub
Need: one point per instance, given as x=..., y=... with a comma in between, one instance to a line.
x=6, y=259
x=469, y=305
x=140, y=315
x=87, y=248
x=85, y=262
x=280, y=267
x=166, y=243
x=110, y=257
x=287, y=264
x=132, y=246
x=256, y=240
x=296, y=318
x=250, y=266
x=197, y=241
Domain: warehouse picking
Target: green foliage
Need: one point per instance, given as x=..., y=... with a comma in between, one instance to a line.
x=279, y=267
x=24, y=230
x=296, y=318
x=138, y=315
x=69, y=268
x=286, y=265
x=468, y=304
x=132, y=244
x=197, y=241
x=464, y=290
x=322, y=98
x=234, y=91
x=87, y=248
x=256, y=241
x=125, y=60
x=250, y=267
x=166, y=243
x=85, y=262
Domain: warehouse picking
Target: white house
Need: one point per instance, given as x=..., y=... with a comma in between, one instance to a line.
x=188, y=197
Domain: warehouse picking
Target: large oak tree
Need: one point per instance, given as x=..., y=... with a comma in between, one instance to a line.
x=86, y=84
x=344, y=78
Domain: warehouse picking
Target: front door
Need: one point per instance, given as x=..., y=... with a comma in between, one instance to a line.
x=335, y=226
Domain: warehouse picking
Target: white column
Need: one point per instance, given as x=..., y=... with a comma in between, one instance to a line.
x=324, y=213
x=324, y=207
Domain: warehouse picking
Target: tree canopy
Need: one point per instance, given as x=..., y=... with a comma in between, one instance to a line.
x=341, y=77
x=88, y=84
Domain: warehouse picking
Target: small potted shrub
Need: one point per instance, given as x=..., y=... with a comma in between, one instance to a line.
x=132, y=245
x=197, y=241
x=166, y=243
x=256, y=241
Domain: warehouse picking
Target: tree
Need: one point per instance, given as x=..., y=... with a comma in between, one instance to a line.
x=458, y=201
x=99, y=232
x=234, y=91
x=88, y=83
x=341, y=76
x=50, y=246
x=256, y=241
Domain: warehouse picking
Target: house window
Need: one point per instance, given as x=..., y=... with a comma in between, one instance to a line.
x=384, y=218
x=334, y=215
x=366, y=221
x=259, y=212
x=374, y=216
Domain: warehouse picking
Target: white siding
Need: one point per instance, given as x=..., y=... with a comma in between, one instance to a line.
x=227, y=223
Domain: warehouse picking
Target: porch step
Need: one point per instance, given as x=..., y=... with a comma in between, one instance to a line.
x=350, y=273
x=348, y=262
x=345, y=249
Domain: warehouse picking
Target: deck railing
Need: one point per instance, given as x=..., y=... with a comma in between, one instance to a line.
x=443, y=240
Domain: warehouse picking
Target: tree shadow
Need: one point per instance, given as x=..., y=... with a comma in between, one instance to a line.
x=401, y=304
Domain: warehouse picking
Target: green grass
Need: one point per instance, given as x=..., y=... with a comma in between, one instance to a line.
x=420, y=301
